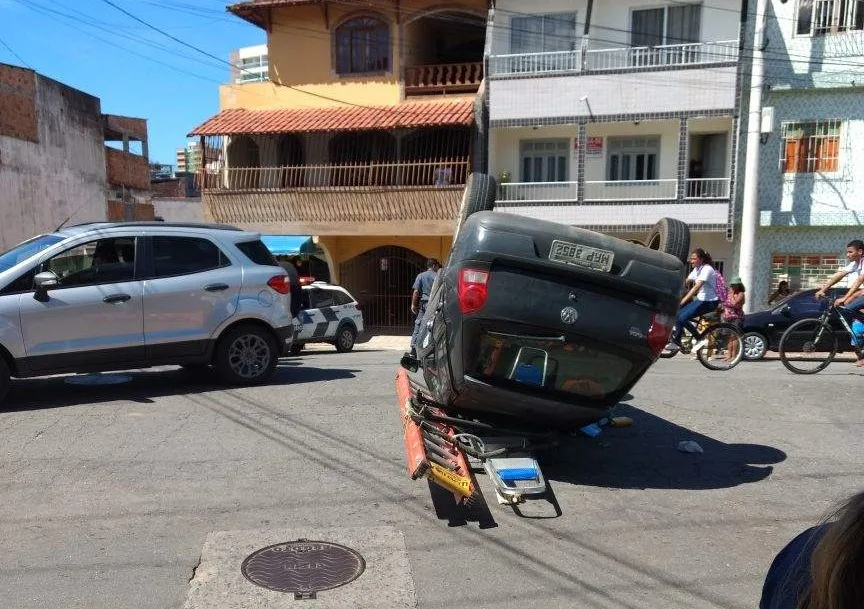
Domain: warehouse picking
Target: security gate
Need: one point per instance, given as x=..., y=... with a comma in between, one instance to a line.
x=381, y=279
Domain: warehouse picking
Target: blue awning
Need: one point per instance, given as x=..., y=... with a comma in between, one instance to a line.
x=288, y=245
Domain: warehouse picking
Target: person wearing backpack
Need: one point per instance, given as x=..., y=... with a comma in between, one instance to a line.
x=702, y=298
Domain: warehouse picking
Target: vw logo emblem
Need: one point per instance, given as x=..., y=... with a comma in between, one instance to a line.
x=569, y=315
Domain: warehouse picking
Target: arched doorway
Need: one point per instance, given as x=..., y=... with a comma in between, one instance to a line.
x=243, y=154
x=381, y=279
x=290, y=157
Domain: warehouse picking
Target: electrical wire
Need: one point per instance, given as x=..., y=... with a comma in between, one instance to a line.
x=14, y=54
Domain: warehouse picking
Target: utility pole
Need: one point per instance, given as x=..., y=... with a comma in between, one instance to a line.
x=750, y=205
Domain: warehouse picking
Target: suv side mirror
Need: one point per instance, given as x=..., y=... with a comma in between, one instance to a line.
x=44, y=281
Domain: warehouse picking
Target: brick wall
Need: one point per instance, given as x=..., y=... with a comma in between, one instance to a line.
x=18, y=103
x=133, y=127
x=116, y=211
x=124, y=169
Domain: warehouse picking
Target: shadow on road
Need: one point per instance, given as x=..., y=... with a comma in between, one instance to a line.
x=55, y=392
x=646, y=455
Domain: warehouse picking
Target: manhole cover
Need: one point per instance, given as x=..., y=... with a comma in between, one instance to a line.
x=303, y=567
x=98, y=379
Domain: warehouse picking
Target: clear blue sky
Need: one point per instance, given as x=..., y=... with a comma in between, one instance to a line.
x=91, y=46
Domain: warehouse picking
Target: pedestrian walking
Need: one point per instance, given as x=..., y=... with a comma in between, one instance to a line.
x=420, y=296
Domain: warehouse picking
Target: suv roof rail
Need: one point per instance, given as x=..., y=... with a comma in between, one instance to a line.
x=211, y=226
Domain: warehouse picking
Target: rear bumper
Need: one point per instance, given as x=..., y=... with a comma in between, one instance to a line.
x=286, y=339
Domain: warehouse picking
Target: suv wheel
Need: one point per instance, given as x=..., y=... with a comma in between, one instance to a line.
x=246, y=355
x=670, y=236
x=479, y=195
x=345, y=338
x=5, y=379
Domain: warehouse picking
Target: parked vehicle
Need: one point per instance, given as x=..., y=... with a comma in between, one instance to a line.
x=115, y=296
x=543, y=323
x=329, y=314
x=764, y=329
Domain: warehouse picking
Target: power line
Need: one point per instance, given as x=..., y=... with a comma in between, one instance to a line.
x=14, y=54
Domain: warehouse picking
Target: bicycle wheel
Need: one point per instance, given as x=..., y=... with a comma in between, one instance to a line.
x=808, y=346
x=720, y=347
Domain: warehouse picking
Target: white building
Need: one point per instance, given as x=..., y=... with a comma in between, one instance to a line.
x=612, y=115
x=811, y=172
x=249, y=64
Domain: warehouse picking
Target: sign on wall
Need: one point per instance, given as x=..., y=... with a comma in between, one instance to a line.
x=593, y=147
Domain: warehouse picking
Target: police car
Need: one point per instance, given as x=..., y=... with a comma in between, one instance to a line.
x=329, y=315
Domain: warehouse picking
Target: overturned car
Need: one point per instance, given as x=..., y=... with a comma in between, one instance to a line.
x=540, y=324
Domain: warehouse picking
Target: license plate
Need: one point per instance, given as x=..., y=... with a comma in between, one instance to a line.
x=581, y=255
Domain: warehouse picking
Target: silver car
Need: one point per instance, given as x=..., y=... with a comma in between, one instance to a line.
x=118, y=296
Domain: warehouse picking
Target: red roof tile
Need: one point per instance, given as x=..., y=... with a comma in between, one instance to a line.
x=353, y=118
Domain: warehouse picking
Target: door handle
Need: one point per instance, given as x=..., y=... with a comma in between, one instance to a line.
x=216, y=287
x=115, y=298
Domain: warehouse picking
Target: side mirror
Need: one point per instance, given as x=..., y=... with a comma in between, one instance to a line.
x=786, y=311
x=44, y=281
x=409, y=362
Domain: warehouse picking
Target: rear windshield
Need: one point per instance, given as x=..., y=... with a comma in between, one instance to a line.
x=257, y=252
x=570, y=368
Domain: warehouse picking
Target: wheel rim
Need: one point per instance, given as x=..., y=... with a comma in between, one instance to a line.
x=754, y=346
x=346, y=339
x=249, y=356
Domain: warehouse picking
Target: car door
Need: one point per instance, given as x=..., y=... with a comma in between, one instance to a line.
x=323, y=316
x=192, y=287
x=305, y=318
x=94, y=316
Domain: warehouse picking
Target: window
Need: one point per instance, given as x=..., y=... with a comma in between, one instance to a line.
x=341, y=298
x=174, y=256
x=321, y=298
x=25, y=250
x=543, y=33
x=810, y=147
x=257, y=252
x=96, y=262
x=633, y=158
x=678, y=24
x=544, y=160
x=816, y=17
x=362, y=46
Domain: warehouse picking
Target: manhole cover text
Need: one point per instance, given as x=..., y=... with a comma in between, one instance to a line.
x=303, y=567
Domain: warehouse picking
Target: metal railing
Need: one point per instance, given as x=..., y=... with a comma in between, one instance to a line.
x=533, y=63
x=448, y=77
x=625, y=58
x=538, y=191
x=439, y=173
x=707, y=188
x=632, y=190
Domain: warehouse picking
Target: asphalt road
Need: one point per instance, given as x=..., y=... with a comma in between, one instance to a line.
x=108, y=493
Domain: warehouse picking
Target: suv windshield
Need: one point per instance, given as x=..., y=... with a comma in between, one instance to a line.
x=23, y=251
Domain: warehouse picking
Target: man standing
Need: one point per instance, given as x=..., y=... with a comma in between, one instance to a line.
x=420, y=296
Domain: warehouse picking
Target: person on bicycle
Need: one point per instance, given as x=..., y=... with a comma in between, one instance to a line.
x=855, y=256
x=699, y=300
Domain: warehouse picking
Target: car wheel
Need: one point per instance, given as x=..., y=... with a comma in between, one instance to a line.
x=5, y=379
x=755, y=346
x=345, y=338
x=296, y=349
x=479, y=195
x=670, y=236
x=246, y=355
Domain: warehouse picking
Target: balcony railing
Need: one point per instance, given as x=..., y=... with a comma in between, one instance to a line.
x=617, y=59
x=538, y=191
x=440, y=173
x=443, y=78
x=707, y=188
x=633, y=190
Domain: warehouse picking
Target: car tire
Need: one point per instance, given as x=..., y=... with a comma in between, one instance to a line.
x=479, y=195
x=345, y=338
x=670, y=236
x=755, y=346
x=246, y=355
x=5, y=379
x=296, y=349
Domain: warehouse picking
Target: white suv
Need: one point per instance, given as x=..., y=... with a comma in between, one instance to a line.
x=118, y=296
x=329, y=314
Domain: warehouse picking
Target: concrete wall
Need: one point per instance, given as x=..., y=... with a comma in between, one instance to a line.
x=179, y=210
x=62, y=172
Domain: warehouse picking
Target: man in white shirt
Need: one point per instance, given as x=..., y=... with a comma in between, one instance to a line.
x=854, y=298
x=699, y=300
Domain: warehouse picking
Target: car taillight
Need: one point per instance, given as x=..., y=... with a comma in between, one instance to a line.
x=660, y=331
x=472, y=289
x=280, y=283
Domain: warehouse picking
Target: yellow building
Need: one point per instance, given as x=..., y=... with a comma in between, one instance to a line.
x=362, y=138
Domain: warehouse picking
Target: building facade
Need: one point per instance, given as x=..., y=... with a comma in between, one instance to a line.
x=249, y=64
x=62, y=160
x=811, y=184
x=364, y=144
x=611, y=116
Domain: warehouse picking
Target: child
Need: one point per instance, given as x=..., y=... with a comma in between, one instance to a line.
x=733, y=312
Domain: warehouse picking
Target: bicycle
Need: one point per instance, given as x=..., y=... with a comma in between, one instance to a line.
x=712, y=342
x=816, y=341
